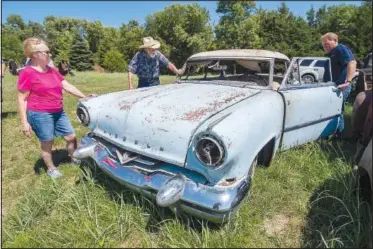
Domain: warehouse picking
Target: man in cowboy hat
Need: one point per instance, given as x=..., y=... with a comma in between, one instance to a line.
x=146, y=63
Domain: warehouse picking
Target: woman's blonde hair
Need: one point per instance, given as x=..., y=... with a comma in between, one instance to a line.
x=330, y=36
x=33, y=44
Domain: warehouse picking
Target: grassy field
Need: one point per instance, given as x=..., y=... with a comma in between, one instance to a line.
x=306, y=198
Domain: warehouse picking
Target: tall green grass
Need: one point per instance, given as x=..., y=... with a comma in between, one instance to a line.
x=306, y=198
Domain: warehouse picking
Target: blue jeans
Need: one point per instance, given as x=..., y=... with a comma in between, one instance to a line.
x=47, y=125
x=148, y=83
x=345, y=93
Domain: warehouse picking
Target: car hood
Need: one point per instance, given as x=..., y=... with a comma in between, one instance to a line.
x=159, y=122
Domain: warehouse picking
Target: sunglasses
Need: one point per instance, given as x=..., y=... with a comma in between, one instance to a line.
x=47, y=52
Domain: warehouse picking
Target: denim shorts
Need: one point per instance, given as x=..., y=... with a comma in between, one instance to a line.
x=48, y=125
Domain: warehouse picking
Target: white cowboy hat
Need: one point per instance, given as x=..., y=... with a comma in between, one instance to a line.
x=149, y=42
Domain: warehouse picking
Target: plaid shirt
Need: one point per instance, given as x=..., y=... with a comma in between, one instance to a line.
x=145, y=66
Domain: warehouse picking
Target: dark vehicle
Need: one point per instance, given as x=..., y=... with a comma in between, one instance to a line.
x=363, y=81
x=362, y=126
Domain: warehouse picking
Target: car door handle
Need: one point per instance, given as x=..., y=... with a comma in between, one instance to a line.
x=336, y=89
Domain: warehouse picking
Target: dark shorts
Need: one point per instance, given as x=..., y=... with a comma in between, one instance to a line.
x=48, y=125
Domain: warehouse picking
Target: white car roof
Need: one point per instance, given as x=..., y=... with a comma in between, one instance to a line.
x=239, y=53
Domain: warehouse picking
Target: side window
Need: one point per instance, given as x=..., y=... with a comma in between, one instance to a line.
x=320, y=63
x=306, y=63
x=293, y=77
x=318, y=73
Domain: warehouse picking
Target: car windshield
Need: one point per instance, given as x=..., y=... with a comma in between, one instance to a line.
x=251, y=72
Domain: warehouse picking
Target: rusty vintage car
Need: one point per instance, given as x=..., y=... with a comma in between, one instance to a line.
x=362, y=128
x=193, y=145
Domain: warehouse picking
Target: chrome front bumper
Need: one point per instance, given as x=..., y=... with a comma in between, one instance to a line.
x=212, y=203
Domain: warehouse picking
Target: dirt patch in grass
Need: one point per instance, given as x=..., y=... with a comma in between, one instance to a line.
x=276, y=225
x=134, y=240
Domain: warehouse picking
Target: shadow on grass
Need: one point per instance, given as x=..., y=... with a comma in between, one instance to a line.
x=339, y=208
x=59, y=156
x=338, y=216
x=6, y=114
x=344, y=150
x=347, y=132
x=156, y=215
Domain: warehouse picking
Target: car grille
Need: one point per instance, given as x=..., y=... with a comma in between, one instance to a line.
x=150, y=165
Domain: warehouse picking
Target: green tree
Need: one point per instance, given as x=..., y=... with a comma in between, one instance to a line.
x=238, y=26
x=95, y=32
x=353, y=24
x=363, y=30
x=34, y=29
x=130, y=39
x=114, y=61
x=81, y=57
x=282, y=31
x=63, y=47
x=110, y=40
x=16, y=21
x=11, y=48
x=185, y=29
x=311, y=17
x=55, y=27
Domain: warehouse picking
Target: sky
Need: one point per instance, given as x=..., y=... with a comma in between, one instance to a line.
x=115, y=13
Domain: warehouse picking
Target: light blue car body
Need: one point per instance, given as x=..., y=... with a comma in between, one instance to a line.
x=162, y=124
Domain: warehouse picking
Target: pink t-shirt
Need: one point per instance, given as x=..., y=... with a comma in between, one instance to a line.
x=45, y=89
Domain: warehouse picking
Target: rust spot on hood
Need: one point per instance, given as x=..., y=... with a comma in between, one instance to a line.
x=200, y=112
x=161, y=129
x=127, y=105
x=148, y=120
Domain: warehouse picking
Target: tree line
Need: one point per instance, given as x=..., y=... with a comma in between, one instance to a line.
x=186, y=29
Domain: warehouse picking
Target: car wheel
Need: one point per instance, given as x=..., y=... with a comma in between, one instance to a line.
x=308, y=78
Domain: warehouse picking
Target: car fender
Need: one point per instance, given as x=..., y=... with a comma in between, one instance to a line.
x=244, y=129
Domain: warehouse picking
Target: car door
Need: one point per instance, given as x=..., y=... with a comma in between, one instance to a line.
x=311, y=110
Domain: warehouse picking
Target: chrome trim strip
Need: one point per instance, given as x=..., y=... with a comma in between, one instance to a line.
x=296, y=127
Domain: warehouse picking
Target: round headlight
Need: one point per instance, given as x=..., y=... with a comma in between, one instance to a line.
x=209, y=151
x=83, y=115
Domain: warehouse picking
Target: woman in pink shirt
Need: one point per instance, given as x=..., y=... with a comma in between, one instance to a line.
x=40, y=102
